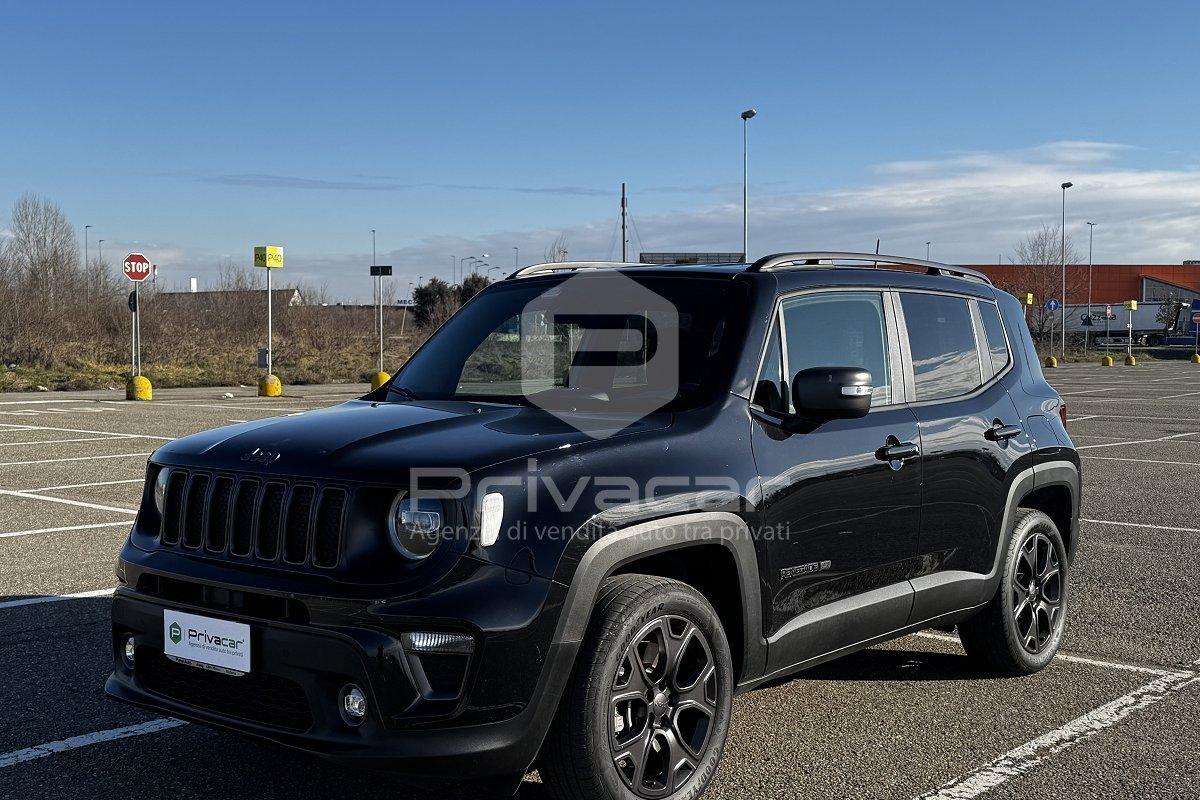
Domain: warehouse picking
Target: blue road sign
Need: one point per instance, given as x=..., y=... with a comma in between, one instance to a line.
x=1052, y=304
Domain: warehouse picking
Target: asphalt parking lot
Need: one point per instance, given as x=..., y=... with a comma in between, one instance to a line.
x=1113, y=716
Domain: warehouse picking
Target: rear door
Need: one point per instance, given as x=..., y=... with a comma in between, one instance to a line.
x=971, y=435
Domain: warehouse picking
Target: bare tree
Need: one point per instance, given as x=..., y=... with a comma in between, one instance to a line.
x=556, y=253
x=1039, y=262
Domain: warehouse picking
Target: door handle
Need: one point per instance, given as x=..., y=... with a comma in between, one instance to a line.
x=901, y=451
x=1001, y=433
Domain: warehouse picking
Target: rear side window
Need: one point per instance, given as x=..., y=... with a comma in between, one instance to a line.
x=997, y=344
x=839, y=329
x=941, y=339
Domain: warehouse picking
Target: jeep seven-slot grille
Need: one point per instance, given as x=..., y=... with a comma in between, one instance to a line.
x=270, y=521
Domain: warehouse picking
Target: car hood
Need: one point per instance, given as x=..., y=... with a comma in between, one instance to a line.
x=380, y=442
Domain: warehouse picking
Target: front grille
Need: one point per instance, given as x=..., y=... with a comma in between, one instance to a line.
x=256, y=697
x=273, y=521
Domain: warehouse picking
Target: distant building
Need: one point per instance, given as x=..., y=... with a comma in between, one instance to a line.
x=1111, y=283
x=691, y=258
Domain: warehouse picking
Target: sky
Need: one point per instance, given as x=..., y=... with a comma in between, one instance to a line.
x=194, y=132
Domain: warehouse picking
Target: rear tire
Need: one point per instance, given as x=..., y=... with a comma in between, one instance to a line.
x=646, y=712
x=1021, y=627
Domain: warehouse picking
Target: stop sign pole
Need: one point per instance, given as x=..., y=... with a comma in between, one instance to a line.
x=137, y=268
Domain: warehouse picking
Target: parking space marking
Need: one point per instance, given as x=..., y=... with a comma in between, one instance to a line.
x=1138, y=441
x=1030, y=755
x=55, y=598
x=88, y=739
x=88, y=527
x=113, y=434
x=83, y=485
x=73, y=458
x=35, y=402
x=1090, y=391
x=1070, y=659
x=1139, y=525
x=1173, y=396
x=66, y=502
x=61, y=441
x=1082, y=418
x=1144, y=461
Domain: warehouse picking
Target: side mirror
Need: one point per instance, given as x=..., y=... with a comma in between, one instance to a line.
x=832, y=392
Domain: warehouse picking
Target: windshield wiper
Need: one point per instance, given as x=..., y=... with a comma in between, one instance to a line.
x=405, y=392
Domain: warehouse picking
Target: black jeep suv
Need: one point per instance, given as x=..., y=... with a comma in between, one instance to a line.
x=597, y=503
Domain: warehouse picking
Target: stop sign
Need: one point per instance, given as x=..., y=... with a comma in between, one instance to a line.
x=137, y=267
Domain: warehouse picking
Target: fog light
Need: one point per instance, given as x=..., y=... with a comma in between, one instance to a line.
x=129, y=648
x=354, y=705
x=427, y=642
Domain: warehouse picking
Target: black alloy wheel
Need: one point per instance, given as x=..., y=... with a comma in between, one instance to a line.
x=664, y=701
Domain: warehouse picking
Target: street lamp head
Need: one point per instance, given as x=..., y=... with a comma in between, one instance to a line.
x=749, y=113
x=1067, y=185
x=485, y=255
x=1092, y=224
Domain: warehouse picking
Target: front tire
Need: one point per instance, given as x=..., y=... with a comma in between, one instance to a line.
x=1021, y=627
x=646, y=713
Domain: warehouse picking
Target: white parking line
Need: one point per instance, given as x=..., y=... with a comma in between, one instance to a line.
x=1140, y=525
x=1173, y=396
x=1081, y=419
x=87, y=739
x=66, y=502
x=63, y=441
x=55, y=598
x=1030, y=755
x=1144, y=461
x=1139, y=441
x=1070, y=659
x=73, y=458
x=91, y=526
x=1090, y=391
x=114, y=434
x=35, y=402
x=83, y=485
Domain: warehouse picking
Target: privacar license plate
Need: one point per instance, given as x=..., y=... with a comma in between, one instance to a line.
x=214, y=644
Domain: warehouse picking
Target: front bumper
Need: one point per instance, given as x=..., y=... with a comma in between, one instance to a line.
x=491, y=725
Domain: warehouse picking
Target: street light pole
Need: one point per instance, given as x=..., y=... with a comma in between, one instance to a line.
x=516, y=257
x=1086, y=331
x=927, y=244
x=747, y=115
x=1063, y=255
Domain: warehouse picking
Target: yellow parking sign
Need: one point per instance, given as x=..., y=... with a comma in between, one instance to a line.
x=269, y=256
x=1131, y=305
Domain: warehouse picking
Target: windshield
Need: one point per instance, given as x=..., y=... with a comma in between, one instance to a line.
x=582, y=344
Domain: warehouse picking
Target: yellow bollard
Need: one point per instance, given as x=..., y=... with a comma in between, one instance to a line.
x=1196, y=358
x=269, y=386
x=139, y=388
x=1131, y=361
x=1051, y=361
x=1107, y=361
x=379, y=380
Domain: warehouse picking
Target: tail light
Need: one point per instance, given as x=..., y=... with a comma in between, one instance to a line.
x=1062, y=412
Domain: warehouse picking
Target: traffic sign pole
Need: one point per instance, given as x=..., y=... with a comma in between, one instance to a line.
x=270, y=351
x=269, y=257
x=137, y=268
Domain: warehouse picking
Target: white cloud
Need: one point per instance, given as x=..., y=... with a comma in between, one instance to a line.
x=973, y=206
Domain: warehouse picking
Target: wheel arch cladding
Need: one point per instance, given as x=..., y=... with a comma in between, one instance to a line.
x=686, y=539
x=710, y=569
x=1056, y=502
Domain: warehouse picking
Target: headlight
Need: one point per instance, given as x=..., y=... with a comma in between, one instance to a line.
x=160, y=490
x=416, y=526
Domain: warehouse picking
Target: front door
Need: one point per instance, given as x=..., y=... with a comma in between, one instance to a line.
x=842, y=501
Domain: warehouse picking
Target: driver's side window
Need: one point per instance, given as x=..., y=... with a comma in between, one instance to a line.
x=827, y=329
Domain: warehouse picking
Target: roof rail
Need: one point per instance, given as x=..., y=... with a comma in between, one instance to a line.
x=825, y=260
x=567, y=266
